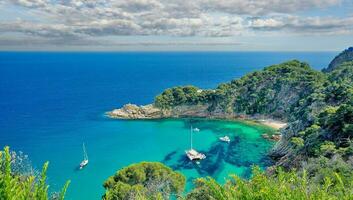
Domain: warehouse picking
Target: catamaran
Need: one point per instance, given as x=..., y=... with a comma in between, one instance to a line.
x=192, y=154
x=85, y=157
x=225, y=139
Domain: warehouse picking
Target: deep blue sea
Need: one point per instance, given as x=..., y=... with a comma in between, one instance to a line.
x=52, y=102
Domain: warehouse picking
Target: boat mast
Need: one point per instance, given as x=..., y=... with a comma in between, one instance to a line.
x=191, y=138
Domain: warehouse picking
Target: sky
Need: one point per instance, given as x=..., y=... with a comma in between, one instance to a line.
x=176, y=25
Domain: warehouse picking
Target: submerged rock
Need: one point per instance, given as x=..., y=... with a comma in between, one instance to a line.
x=265, y=136
x=275, y=137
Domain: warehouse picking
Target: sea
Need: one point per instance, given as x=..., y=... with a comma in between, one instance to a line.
x=53, y=102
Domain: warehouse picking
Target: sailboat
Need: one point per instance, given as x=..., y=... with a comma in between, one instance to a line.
x=85, y=157
x=192, y=154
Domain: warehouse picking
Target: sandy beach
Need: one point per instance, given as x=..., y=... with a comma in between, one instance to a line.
x=273, y=123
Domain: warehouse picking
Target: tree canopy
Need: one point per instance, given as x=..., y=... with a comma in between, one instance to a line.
x=145, y=180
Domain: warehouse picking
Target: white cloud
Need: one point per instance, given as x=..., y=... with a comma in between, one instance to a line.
x=30, y=3
x=263, y=7
x=305, y=25
x=68, y=20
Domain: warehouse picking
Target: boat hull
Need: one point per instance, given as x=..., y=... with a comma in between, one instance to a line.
x=194, y=155
x=83, y=164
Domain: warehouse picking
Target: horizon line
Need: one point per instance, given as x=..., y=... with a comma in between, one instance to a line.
x=166, y=51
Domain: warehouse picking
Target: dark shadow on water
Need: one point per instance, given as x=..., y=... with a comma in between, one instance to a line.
x=233, y=155
x=169, y=156
x=266, y=161
x=211, y=166
x=77, y=168
x=184, y=163
x=247, y=173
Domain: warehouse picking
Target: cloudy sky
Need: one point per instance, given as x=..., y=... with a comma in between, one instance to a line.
x=240, y=25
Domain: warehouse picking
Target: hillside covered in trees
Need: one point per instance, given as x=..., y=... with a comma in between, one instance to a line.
x=314, y=158
x=345, y=56
x=316, y=105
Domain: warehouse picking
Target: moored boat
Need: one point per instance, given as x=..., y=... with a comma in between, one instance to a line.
x=192, y=154
x=225, y=139
x=196, y=129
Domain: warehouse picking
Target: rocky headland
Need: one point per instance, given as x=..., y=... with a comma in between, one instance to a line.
x=134, y=112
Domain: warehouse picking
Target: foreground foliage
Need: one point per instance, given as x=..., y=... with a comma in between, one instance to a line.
x=331, y=181
x=146, y=180
x=17, y=186
x=282, y=185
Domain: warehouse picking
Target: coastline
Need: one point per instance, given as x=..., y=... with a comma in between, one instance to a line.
x=150, y=112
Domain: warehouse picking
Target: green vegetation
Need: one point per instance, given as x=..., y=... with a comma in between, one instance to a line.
x=317, y=146
x=282, y=185
x=332, y=180
x=146, y=180
x=346, y=55
x=17, y=186
x=274, y=91
x=176, y=96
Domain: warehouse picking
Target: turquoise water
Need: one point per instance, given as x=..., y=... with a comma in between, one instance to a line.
x=52, y=102
x=112, y=144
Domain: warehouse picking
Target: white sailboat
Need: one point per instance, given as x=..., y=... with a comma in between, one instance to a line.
x=192, y=154
x=85, y=157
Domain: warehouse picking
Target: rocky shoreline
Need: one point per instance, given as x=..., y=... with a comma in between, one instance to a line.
x=132, y=111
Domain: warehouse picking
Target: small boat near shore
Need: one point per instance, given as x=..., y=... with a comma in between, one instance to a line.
x=84, y=162
x=225, y=139
x=196, y=130
x=192, y=154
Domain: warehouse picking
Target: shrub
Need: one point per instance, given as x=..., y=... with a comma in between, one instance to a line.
x=19, y=186
x=145, y=180
x=283, y=185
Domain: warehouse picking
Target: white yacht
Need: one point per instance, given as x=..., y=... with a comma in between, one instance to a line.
x=196, y=130
x=84, y=162
x=225, y=139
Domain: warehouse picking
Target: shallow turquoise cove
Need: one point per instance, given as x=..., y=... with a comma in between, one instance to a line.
x=114, y=144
